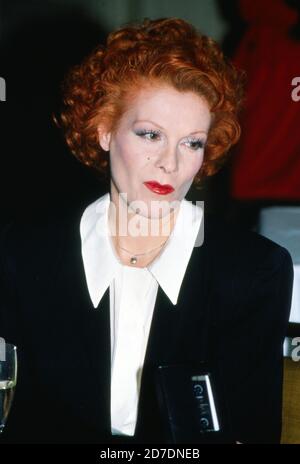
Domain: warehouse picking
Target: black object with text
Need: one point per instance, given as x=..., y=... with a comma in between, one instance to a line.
x=192, y=408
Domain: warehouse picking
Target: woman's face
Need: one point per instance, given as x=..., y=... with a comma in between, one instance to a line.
x=160, y=138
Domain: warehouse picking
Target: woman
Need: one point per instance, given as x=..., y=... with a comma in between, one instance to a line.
x=95, y=313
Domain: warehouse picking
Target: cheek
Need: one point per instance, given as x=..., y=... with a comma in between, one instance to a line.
x=199, y=162
x=192, y=166
x=123, y=158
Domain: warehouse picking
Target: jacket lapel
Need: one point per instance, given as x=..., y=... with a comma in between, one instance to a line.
x=82, y=365
x=96, y=349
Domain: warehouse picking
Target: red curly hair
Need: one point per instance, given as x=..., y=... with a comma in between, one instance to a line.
x=167, y=51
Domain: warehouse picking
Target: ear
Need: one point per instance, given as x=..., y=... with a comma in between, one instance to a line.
x=104, y=138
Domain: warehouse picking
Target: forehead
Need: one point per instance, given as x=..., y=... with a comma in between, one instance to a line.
x=163, y=104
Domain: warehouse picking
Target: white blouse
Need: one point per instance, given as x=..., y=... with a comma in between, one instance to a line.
x=133, y=294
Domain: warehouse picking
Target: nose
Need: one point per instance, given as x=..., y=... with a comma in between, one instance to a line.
x=167, y=160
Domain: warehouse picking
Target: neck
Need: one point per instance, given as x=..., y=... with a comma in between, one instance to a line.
x=134, y=232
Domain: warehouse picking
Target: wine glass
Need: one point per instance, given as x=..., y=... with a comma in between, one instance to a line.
x=8, y=379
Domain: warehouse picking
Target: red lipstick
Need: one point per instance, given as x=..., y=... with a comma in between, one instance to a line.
x=156, y=187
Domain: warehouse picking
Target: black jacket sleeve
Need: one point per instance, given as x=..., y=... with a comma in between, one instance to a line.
x=250, y=350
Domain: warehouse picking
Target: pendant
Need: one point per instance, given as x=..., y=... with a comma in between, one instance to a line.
x=133, y=260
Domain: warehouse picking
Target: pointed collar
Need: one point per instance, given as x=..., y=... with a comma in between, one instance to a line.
x=101, y=263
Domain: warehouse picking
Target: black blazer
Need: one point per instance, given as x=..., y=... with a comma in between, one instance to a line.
x=232, y=312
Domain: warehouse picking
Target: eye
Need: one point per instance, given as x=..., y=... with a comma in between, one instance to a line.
x=196, y=144
x=148, y=134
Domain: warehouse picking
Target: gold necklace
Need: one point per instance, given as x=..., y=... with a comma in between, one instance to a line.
x=134, y=256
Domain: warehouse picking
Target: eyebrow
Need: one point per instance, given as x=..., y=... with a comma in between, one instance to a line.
x=155, y=124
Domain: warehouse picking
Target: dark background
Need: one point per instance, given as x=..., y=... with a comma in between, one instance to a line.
x=40, y=40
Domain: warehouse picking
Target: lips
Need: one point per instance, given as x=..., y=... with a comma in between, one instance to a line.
x=156, y=187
